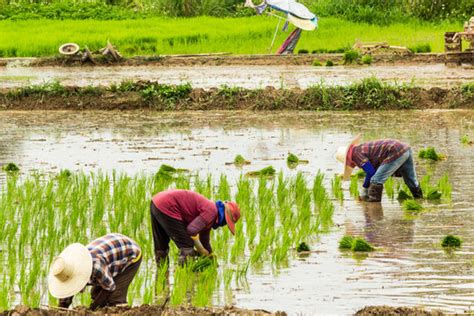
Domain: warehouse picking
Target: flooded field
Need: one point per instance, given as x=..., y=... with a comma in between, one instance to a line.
x=409, y=269
x=250, y=76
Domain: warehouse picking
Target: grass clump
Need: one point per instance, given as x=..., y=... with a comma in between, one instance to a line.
x=303, y=247
x=361, y=245
x=329, y=63
x=429, y=153
x=303, y=51
x=350, y=57
x=360, y=174
x=367, y=59
x=64, y=173
x=265, y=172
x=316, y=63
x=346, y=242
x=10, y=167
x=412, y=205
x=421, y=48
x=451, y=241
x=167, y=172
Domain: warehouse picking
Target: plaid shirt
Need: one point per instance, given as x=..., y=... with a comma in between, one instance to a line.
x=111, y=254
x=378, y=152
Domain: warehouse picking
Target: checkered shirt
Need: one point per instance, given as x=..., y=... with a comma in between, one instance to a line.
x=111, y=254
x=378, y=152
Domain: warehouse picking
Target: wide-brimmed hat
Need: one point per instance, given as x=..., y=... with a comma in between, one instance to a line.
x=307, y=25
x=69, y=49
x=70, y=271
x=232, y=215
x=341, y=156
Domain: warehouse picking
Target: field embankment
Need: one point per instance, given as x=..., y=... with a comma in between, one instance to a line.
x=368, y=94
x=242, y=35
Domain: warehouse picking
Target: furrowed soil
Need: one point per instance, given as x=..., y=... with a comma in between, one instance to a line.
x=139, y=310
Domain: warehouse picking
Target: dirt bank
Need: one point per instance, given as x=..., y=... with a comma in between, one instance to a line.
x=368, y=95
x=140, y=310
x=395, y=311
x=220, y=59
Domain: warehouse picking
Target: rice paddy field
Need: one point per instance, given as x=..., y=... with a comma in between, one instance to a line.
x=83, y=174
x=246, y=35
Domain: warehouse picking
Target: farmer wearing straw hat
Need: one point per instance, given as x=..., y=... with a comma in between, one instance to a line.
x=108, y=263
x=379, y=159
x=187, y=217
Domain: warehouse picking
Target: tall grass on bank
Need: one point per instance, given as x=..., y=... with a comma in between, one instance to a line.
x=40, y=215
x=246, y=35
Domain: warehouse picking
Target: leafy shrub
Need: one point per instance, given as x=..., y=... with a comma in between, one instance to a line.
x=329, y=63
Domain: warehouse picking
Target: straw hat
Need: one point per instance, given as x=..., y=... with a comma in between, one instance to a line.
x=69, y=49
x=341, y=156
x=307, y=25
x=232, y=215
x=70, y=271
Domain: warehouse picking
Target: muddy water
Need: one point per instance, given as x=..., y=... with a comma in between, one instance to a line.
x=409, y=269
x=242, y=76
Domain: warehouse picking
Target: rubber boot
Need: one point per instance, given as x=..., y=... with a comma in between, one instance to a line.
x=417, y=192
x=375, y=192
x=184, y=254
x=161, y=257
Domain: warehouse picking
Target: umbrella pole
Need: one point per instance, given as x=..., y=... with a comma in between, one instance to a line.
x=274, y=37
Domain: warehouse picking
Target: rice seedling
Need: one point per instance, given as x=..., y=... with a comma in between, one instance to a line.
x=336, y=186
x=240, y=161
x=265, y=172
x=389, y=186
x=329, y=63
x=451, y=241
x=361, y=245
x=10, y=167
x=346, y=242
x=430, y=154
x=242, y=35
x=316, y=63
x=360, y=174
x=354, y=187
x=303, y=247
x=433, y=194
x=403, y=195
x=465, y=140
x=445, y=187
x=412, y=206
x=292, y=161
x=277, y=215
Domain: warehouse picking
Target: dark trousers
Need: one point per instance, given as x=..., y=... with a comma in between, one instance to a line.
x=166, y=228
x=102, y=298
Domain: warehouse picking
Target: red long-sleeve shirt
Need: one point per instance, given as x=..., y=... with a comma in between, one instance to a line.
x=196, y=212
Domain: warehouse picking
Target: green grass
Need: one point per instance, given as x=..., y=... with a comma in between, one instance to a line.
x=451, y=241
x=246, y=35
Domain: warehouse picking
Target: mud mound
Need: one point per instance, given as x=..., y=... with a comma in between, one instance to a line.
x=395, y=311
x=147, y=310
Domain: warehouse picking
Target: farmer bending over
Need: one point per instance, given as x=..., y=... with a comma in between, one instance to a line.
x=380, y=159
x=187, y=217
x=108, y=263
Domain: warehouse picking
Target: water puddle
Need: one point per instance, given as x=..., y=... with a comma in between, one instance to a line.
x=408, y=269
x=251, y=77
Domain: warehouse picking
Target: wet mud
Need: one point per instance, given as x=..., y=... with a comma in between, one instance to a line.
x=395, y=311
x=145, y=310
